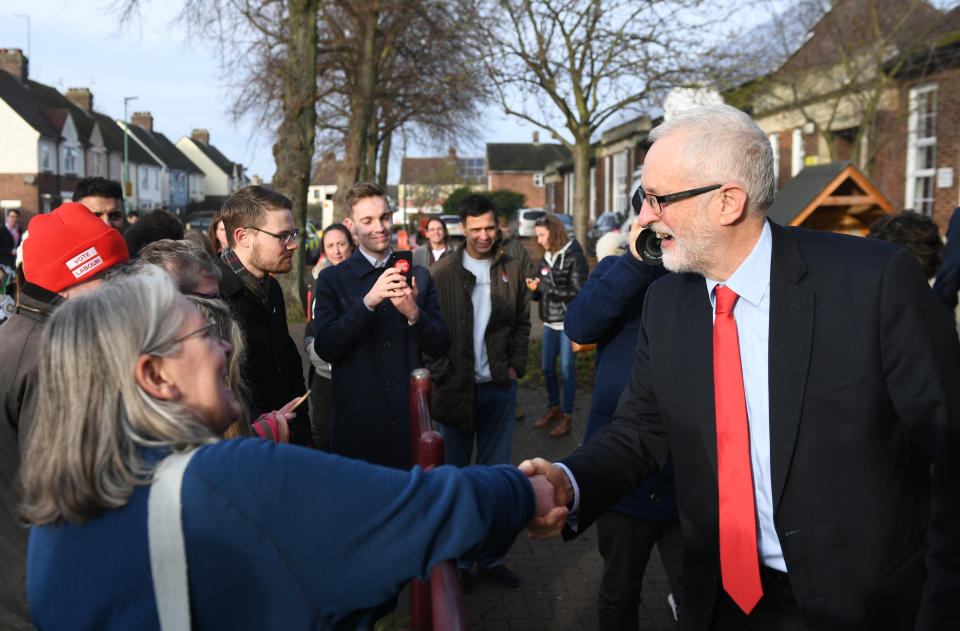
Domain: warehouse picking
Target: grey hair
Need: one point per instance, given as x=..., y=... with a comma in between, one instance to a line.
x=723, y=144
x=85, y=450
x=187, y=262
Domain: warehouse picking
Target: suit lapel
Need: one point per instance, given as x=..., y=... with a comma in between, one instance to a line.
x=791, y=339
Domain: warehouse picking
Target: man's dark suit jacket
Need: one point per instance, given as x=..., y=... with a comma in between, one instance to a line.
x=372, y=353
x=864, y=382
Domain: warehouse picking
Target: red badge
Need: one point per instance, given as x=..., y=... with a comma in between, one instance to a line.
x=402, y=265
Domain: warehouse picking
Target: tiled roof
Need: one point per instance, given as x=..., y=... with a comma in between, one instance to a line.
x=164, y=149
x=113, y=140
x=325, y=174
x=50, y=99
x=524, y=156
x=19, y=98
x=800, y=192
x=428, y=170
x=215, y=156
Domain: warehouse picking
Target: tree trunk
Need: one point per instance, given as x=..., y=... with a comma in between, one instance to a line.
x=293, y=151
x=351, y=167
x=384, y=160
x=581, y=187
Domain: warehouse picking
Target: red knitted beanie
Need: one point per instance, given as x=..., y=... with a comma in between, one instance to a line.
x=68, y=246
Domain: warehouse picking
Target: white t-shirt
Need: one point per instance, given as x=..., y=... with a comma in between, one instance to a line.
x=481, y=314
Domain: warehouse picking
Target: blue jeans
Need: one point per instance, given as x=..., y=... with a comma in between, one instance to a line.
x=493, y=421
x=557, y=342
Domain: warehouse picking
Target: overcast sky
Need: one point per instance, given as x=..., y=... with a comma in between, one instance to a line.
x=72, y=45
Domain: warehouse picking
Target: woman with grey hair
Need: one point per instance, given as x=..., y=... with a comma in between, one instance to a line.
x=312, y=538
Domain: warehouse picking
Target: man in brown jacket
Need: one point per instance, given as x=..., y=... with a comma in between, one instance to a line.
x=486, y=308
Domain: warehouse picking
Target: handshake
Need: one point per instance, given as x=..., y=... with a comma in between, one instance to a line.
x=553, y=492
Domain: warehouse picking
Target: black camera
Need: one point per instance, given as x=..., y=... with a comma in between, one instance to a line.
x=648, y=247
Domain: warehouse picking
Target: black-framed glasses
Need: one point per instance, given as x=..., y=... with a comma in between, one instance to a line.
x=210, y=329
x=285, y=238
x=657, y=201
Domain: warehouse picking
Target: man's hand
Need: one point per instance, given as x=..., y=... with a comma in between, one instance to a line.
x=635, y=230
x=406, y=300
x=511, y=372
x=390, y=285
x=543, y=492
x=550, y=524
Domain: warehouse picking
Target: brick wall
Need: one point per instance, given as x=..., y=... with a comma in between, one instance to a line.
x=521, y=183
x=12, y=187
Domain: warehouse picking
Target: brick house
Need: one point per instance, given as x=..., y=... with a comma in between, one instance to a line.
x=893, y=107
x=614, y=165
x=219, y=177
x=521, y=167
x=51, y=140
x=426, y=182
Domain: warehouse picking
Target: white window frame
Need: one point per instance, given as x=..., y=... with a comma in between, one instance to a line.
x=619, y=183
x=593, y=192
x=538, y=180
x=775, y=147
x=796, y=152
x=914, y=144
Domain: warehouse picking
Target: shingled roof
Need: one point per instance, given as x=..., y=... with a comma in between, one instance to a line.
x=164, y=149
x=523, y=156
x=57, y=105
x=214, y=155
x=113, y=140
x=834, y=185
x=15, y=94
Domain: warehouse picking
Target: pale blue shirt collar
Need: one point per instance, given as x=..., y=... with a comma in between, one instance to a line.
x=750, y=281
x=374, y=261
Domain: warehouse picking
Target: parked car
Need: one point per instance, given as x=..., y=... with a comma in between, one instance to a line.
x=453, y=225
x=523, y=223
x=567, y=222
x=199, y=220
x=607, y=222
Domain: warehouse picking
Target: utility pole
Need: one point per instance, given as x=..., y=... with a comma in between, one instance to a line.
x=127, y=187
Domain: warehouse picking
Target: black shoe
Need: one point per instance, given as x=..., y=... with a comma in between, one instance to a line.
x=466, y=581
x=502, y=574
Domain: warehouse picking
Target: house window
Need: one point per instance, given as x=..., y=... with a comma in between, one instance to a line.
x=145, y=180
x=775, y=146
x=619, y=184
x=796, y=152
x=593, y=192
x=69, y=160
x=45, y=158
x=922, y=149
x=538, y=180
x=97, y=164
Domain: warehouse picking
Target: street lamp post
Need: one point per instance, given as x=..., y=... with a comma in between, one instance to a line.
x=127, y=188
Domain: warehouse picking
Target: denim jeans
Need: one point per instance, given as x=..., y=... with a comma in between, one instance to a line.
x=557, y=342
x=493, y=421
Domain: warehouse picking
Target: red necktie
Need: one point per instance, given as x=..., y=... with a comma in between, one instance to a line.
x=738, y=516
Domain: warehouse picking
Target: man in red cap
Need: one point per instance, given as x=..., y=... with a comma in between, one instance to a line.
x=65, y=253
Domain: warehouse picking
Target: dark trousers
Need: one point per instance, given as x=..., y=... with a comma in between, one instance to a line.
x=625, y=542
x=776, y=611
x=320, y=401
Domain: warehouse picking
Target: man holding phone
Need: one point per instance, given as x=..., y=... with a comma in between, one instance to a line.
x=371, y=325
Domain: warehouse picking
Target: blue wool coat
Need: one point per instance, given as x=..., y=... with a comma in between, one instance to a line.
x=277, y=537
x=608, y=311
x=372, y=353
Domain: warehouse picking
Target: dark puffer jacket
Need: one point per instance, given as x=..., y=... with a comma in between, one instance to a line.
x=561, y=282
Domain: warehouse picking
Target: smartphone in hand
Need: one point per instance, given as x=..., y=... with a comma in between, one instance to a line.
x=402, y=261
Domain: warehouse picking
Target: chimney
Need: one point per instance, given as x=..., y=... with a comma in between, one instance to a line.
x=81, y=97
x=142, y=119
x=13, y=61
x=201, y=135
x=452, y=153
x=536, y=137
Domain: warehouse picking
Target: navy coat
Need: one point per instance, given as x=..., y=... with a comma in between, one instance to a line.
x=607, y=311
x=372, y=353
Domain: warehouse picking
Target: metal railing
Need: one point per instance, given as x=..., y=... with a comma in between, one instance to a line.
x=438, y=603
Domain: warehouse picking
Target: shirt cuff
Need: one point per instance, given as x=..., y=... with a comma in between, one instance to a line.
x=576, y=489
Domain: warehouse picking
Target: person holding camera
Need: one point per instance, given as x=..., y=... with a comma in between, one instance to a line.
x=371, y=325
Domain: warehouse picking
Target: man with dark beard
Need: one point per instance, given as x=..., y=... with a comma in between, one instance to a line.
x=261, y=239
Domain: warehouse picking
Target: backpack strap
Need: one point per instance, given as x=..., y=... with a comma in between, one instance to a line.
x=168, y=554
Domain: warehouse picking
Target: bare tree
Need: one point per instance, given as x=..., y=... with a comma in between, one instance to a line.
x=840, y=79
x=568, y=66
